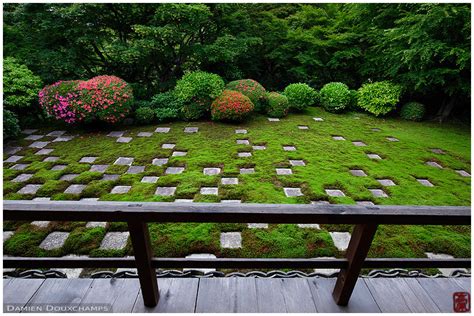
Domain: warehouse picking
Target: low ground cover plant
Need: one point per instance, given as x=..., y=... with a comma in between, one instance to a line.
x=379, y=98
x=252, y=89
x=335, y=97
x=231, y=106
x=300, y=96
x=412, y=111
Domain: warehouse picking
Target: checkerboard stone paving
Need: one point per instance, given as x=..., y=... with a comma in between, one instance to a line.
x=179, y=153
x=124, y=140
x=38, y=144
x=201, y=256
x=135, y=169
x=365, y=203
x=56, y=133
x=96, y=224
x=159, y=161
x=247, y=170
x=209, y=191
x=174, y=170
x=292, y=192
x=120, y=189
x=358, y=173
x=114, y=240
x=463, y=173
x=34, y=137
x=165, y=191
x=88, y=159
x=162, y=130
x=242, y=142
x=303, y=127
x=11, y=150
x=320, y=202
x=231, y=201
x=54, y=240
x=375, y=129
x=63, y=139
x=289, y=148
x=51, y=159
x=184, y=200
x=7, y=235
x=241, y=131
x=44, y=152
x=40, y=224
x=312, y=226
x=340, y=240
x=116, y=134
x=271, y=119
x=334, y=192
x=191, y=130
x=326, y=272
x=22, y=177
x=144, y=134
x=378, y=193
x=168, y=146
x=19, y=166
x=244, y=154
x=318, y=119
x=297, y=163
x=89, y=199
x=425, y=182
x=231, y=240
x=98, y=168
x=30, y=189
x=444, y=271
x=42, y=199
x=13, y=158
x=359, y=144
x=338, y=138
x=257, y=225
x=29, y=131
x=58, y=167
x=211, y=171
x=229, y=181
x=150, y=179
x=386, y=182
x=110, y=177
x=374, y=156
x=437, y=151
x=75, y=189
x=434, y=164
x=283, y=171
x=259, y=147
x=393, y=139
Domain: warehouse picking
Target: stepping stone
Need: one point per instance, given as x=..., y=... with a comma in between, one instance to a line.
x=437, y=151
x=22, y=177
x=114, y=240
x=244, y=154
x=291, y=192
x=444, y=271
x=209, y=191
x=242, y=142
x=87, y=159
x=54, y=240
x=179, y=153
x=211, y=171
x=174, y=170
x=150, y=179
x=257, y=225
x=34, y=137
x=365, y=203
x=44, y=152
x=58, y=167
x=184, y=200
x=75, y=189
x=434, y=164
x=334, y=192
x=283, y=171
x=110, y=177
x=12, y=150
x=297, y=162
x=96, y=224
x=144, y=134
x=241, y=131
x=375, y=129
x=191, y=130
x=425, y=182
x=42, y=199
x=56, y=133
x=89, y=199
x=135, y=169
x=318, y=119
x=124, y=139
x=7, y=235
x=116, y=134
x=231, y=240
x=338, y=138
x=14, y=158
x=326, y=271
x=378, y=193
x=120, y=189
x=40, y=224
x=463, y=173
x=374, y=156
x=38, y=144
x=312, y=226
x=386, y=182
x=320, y=202
x=340, y=240
x=289, y=148
x=99, y=168
x=30, y=189
x=359, y=144
x=393, y=139
x=162, y=130
x=201, y=256
x=229, y=181
x=303, y=127
x=168, y=146
x=270, y=119
x=20, y=166
x=165, y=191
x=51, y=159
x=63, y=139
x=259, y=147
x=358, y=173
x=68, y=177
x=247, y=170
x=231, y=201
x=159, y=161
x=29, y=131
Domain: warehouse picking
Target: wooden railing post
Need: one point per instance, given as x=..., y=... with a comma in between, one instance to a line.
x=356, y=253
x=143, y=256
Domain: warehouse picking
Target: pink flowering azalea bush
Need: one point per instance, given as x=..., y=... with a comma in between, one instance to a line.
x=231, y=106
x=251, y=89
x=102, y=98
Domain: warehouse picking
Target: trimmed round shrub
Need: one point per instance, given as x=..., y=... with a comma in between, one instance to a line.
x=300, y=96
x=144, y=115
x=353, y=101
x=278, y=105
x=11, y=127
x=379, y=98
x=231, y=106
x=335, y=97
x=197, y=90
x=20, y=85
x=103, y=98
x=251, y=89
x=167, y=106
x=412, y=111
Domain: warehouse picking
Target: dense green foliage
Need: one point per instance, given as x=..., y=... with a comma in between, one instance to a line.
x=413, y=111
x=144, y=115
x=11, y=127
x=378, y=98
x=278, y=105
x=300, y=96
x=251, y=89
x=167, y=106
x=231, y=106
x=335, y=96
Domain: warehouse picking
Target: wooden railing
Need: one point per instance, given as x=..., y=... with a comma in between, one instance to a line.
x=137, y=215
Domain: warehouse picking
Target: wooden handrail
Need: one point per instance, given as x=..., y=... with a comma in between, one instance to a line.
x=365, y=218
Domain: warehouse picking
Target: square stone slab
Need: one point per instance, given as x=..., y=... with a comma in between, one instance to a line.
x=165, y=191
x=231, y=240
x=121, y=189
x=56, y=133
x=40, y=224
x=326, y=272
x=29, y=131
x=425, y=182
x=190, y=130
x=179, y=153
x=14, y=158
x=241, y=131
x=39, y=144
x=271, y=119
x=184, y=200
x=386, y=182
x=162, y=130
x=201, y=256
x=99, y=168
x=209, y=191
x=75, y=189
x=463, y=173
x=135, y=169
x=68, y=177
x=59, y=167
x=257, y=225
x=437, y=151
x=114, y=240
x=150, y=179
x=54, y=240
x=34, y=137
x=434, y=164
x=374, y=156
x=12, y=150
x=247, y=170
x=51, y=159
x=444, y=271
x=375, y=129
x=359, y=144
x=124, y=161
x=231, y=201
x=365, y=203
x=44, y=152
x=144, y=134
x=116, y=134
x=30, y=189
x=242, y=142
x=20, y=166
x=358, y=173
x=334, y=192
x=338, y=138
x=211, y=171
x=291, y=192
x=297, y=163
x=312, y=226
x=320, y=202
x=63, y=139
x=87, y=159
x=303, y=127
x=229, y=181
x=22, y=177
x=168, y=146
x=318, y=119
x=7, y=235
x=289, y=148
x=174, y=170
x=244, y=154
x=340, y=240
x=124, y=139
x=393, y=139
x=283, y=171
x=110, y=177
x=159, y=161
x=378, y=193
x=89, y=199
x=259, y=147
x=42, y=199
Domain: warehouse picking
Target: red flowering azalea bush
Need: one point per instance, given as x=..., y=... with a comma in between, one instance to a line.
x=102, y=98
x=231, y=106
x=252, y=89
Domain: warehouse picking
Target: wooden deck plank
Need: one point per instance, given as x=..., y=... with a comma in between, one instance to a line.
x=441, y=291
x=270, y=296
x=19, y=291
x=297, y=295
x=428, y=305
x=388, y=295
x=465, y=283
x=360, y=302
x=61, y=291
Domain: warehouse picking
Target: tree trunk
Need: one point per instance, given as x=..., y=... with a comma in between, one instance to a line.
x=445, y=111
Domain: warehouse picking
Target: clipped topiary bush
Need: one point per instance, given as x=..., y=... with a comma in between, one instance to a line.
x=277, y=105
x=300, y=96
x=335, y=97
x=379, y=98
x=353, y=101
x=167, y=106
x=197, y=90
x=103, y=98
x=231, y=106
x=412, y=111
x=144, y=115
x=11, y=127
x=252, y=89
